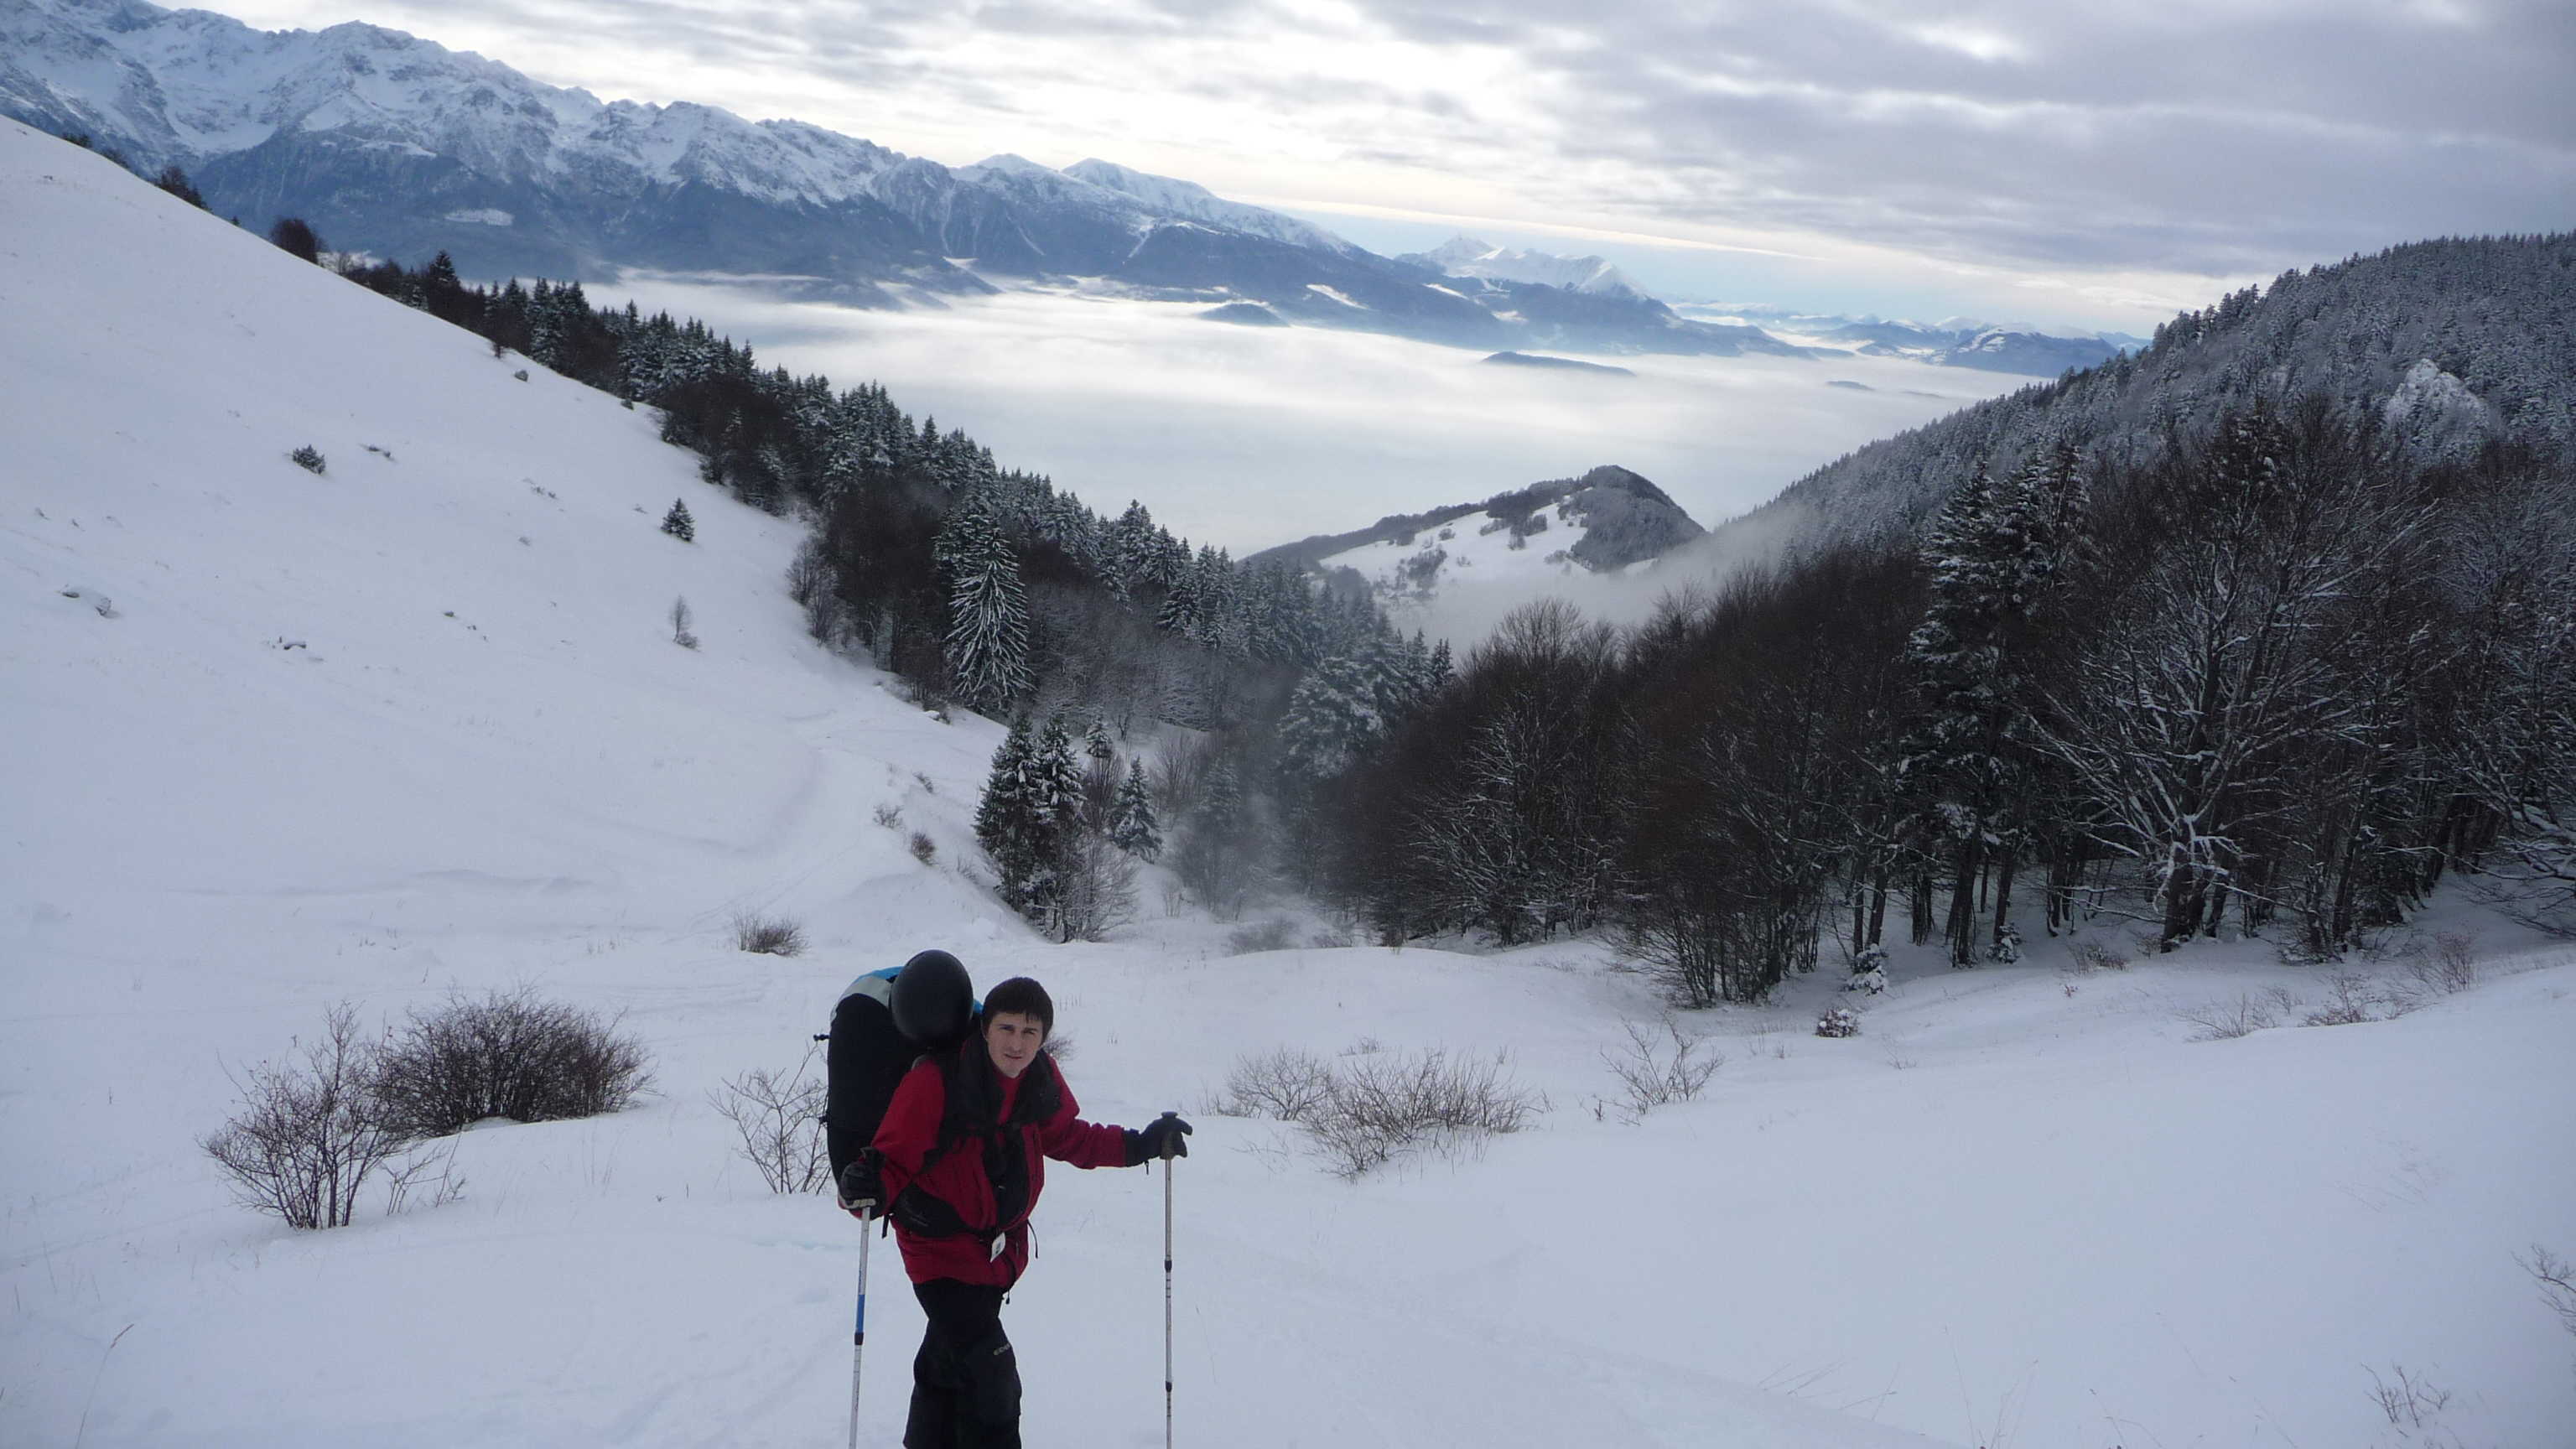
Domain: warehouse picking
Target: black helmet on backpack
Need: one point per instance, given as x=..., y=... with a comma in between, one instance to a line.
x=933, y=1002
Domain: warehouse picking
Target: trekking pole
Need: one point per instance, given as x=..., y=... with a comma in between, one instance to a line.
x=859, y=1333
x=1167, y=1290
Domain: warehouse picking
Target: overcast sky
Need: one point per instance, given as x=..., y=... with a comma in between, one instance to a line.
x=2056, y=162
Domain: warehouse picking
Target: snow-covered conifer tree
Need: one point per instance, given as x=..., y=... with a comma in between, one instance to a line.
x=1332, y=716
x=678, y=524
x=1991, y=552
x=1007, y=820
x=988, y=614
x=1131, y=821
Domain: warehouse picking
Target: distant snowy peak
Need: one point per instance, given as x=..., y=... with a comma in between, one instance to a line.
x=1465, y=256
x=187, y=86
x=396, y=146
x=1950, y=342
x=1169, y=197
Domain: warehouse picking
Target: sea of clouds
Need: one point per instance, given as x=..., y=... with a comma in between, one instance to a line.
x=1248, y=437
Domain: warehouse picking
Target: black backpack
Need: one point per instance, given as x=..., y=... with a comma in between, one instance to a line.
x=870, y=1047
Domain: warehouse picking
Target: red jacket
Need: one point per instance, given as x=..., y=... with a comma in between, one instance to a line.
x=985, y=1139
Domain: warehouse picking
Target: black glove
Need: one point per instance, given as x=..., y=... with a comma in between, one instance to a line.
x=1164, y=1137
x=862, y=1191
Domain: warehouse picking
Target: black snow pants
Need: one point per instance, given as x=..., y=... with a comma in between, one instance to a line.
x=965, y=1380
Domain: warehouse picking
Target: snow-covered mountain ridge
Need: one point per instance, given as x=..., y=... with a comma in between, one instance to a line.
x=394, y=145
x=516, y=165
x=1465, y=256
x=2018, y=347
x=416, y=724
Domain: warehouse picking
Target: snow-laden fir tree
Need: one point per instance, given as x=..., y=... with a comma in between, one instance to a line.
x=1132, y=826
x=1991, y=552
x=1008, y=822
x=1333, y=715
x=1099, y=777
x=988, y=612
x=678, y=524
x=1214, y=859
x=1055, y=780
x=1030, y=816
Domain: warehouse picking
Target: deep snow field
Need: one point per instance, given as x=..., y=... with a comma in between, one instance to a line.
x=2023, y=1207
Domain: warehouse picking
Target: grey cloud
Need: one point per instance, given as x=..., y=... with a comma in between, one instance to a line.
x=2206, y=139
x=2280, y=139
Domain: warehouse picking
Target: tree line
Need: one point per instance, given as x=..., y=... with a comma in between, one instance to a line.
x=2283, y=679
x=2283, y=673
x=992, y=589
x=982, y=585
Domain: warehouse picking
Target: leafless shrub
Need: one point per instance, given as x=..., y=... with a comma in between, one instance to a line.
x=2444, y=966
x=809, y=575
x=1380, y=1107
x=889, y=816
x=1095, y=888
x=2224, y=1021
x=768, y=935
x=507, y=1054
x=2455, y=959
x=923, y=848
x=1286, y=1085
x=2409, y=1401
x=433, y=1170
x=1656, y=1074
x=2098, y=956
x=310, y=1133
x=2557, y=1280
x=1271, y=935
x=777, y=1121
x=1180, y=771
x=2350, y=1000
x=680, y=617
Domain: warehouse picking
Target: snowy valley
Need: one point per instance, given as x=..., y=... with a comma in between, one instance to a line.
x=414, y=723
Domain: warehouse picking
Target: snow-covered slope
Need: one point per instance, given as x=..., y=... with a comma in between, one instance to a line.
x=1522, y=540
x=417, y=724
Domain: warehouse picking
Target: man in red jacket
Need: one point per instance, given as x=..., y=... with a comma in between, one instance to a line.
x=962, y=1153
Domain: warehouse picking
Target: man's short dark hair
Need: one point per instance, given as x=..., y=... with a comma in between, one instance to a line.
x=1025, y=996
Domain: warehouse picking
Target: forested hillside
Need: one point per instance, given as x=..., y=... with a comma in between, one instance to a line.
x=2265, y=632
x=990, y=588
x=2495, y=317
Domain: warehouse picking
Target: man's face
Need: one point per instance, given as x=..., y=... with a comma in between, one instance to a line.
x=1013, y=1037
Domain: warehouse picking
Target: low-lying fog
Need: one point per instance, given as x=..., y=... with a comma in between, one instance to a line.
x=1247, y=437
